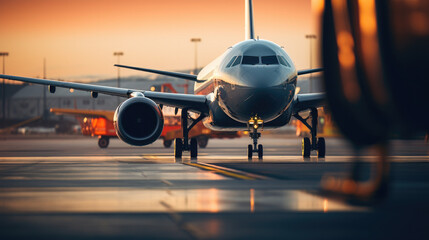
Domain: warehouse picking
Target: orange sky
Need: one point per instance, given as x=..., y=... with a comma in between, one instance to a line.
x=78, y=37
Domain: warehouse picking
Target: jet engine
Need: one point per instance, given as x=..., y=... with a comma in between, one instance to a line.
x=138, y=121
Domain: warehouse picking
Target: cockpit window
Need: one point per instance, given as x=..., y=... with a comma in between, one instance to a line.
x=250, y=60
x=283, y=61
x=237, y=61
x=269, y=60
x=230, y=62
x=253, y=60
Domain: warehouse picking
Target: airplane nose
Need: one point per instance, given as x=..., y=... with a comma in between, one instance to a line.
x=262, y=102
x=261, y=76
x=242, y=103
x=260, y=90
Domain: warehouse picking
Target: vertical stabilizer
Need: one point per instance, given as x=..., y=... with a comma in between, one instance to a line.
x=249, y=33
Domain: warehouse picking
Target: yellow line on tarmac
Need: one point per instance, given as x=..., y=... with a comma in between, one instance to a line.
x=220, y=171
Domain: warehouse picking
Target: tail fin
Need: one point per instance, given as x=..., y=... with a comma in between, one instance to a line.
x=249, y=33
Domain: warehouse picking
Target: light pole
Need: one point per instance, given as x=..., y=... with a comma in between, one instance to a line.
x=196, y=41
x=118, y=84
x=4, y=55
x=45, y=112
x=311, y=37
x=118, y=54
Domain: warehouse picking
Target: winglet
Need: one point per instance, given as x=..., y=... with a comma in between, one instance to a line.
x=166, y=73
x=249, y=32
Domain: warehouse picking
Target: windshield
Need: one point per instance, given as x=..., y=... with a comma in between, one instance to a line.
x=283, y=61
x=230, y=62
x=268, y=60
x=254, y=60
x=251, y=60
x=237, y=61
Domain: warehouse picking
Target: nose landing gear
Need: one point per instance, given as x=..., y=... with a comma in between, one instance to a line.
x=255, y=123
x=317, y=144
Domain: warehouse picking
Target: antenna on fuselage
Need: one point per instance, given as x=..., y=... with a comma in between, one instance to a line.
x=249, y=33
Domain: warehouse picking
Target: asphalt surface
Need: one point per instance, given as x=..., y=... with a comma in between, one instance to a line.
x=65, y=188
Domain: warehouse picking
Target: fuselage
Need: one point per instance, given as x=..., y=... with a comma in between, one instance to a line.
x=254, y=78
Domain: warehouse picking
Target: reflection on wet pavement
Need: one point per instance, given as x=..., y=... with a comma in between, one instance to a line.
x=79, y=184
x=155, y=200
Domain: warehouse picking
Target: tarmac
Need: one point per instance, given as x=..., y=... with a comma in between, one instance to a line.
x=68, y=188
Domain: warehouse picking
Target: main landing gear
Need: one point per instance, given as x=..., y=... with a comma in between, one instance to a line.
x=317, y=144
x=255, y=123
x=182, y=145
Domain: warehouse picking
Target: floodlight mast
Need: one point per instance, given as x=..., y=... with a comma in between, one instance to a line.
x=4, y=55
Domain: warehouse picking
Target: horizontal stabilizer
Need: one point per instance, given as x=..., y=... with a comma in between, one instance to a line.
x=308, y=71
x=166, y=73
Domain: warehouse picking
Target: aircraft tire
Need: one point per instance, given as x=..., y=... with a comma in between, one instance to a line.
x=321, y=148
x=260, y=151
x=167, y=143
x=249, y=152
x=203, y=141
x=306, y=147
x=103, y=142
x=194, y=148
x=178, y=148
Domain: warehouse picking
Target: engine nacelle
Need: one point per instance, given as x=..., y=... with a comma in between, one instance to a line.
x=138, y=121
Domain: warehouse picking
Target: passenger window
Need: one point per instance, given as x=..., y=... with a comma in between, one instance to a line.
x=250, y=60
x=230, y=62
x=283, y=61
x=269, y=60
x=237, y=61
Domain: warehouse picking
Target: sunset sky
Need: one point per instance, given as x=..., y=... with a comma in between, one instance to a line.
x=78, y=37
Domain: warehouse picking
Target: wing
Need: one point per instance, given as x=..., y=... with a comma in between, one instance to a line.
x=85, y=113
x=307, y=71
x=171, y=74
x=306, y=101
x=192, y=102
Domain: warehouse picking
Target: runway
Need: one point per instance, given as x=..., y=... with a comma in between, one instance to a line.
x=64, y=188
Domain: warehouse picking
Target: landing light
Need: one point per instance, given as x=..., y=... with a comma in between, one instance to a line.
x=255, y=122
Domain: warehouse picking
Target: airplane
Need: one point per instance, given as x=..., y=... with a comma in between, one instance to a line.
x=250, y=86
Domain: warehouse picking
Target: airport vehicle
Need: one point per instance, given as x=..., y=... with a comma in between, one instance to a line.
x=100, y=123
x=93, y=123
x=249, y=87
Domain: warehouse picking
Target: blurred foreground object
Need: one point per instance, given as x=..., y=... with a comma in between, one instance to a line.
x=375, y=55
